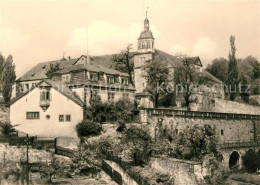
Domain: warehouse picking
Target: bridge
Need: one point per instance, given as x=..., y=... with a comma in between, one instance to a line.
x=237, y=133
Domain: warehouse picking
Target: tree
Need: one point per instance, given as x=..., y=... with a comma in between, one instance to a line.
x=244, y=89
x=156, y=75
x=53, y=68
x=232, y=70
x=255, y=66
x=2, y=60
x=88, y=128
x=219, y=68
x=188, y=77
x=8, y=78
x=124, y=62
x=139, y=143
x=249, y=70
x=195, y=142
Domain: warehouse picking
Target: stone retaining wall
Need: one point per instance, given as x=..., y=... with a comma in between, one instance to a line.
x=18, y=154
x=184, y=172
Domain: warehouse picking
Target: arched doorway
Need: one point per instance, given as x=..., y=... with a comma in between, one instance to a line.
x=234, y=159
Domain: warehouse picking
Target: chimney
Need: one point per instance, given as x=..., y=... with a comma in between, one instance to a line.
x=68, y=58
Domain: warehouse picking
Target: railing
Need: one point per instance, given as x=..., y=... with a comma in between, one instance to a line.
x=64, y=151
x=198, y=114
x=239, y=144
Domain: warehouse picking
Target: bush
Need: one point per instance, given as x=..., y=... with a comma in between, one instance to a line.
x=110, y=111
x=7, y=129
x=195, y=142
x=88, y=128
x=253, y=102
x=121, y=126
x=139, y=142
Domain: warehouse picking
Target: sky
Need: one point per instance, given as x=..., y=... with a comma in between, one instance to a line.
x=38, y=31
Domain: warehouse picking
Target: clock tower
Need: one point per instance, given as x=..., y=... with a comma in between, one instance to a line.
x=145, y=51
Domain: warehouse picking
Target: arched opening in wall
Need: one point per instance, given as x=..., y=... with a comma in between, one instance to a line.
x=250, y=161
x=234, y=160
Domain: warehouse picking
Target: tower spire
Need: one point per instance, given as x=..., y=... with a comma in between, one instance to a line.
x=146, y=11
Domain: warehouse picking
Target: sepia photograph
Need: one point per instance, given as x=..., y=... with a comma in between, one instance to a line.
x=130, y=92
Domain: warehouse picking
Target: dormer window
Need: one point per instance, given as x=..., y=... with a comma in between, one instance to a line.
x=124, y=81
x=110, y=79
x=66, y=78
x=93, y=76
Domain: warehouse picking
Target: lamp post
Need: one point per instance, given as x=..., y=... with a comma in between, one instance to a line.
x=27, y=140
x=159, y=124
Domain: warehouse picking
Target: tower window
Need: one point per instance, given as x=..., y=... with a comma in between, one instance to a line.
x=222, y=132
x=148, y=45
x=139, y=45
x=143, y=45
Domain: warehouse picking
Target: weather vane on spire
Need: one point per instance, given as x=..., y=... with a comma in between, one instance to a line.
x=147, y=11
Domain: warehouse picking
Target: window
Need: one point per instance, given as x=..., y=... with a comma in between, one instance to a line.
x=93, y=77
x=68, y=117
x=213, y=103
x=222, y=132
x=124, y=81
x=45, y=95
x=148, y=45
x=61, y=118
x=93, y=94
x=111, y=97
x=125, y=96
x=66, y=78
x=110, y=79
x=27, y=86
x=140, y=45
x=32, y=115
x=48, y=116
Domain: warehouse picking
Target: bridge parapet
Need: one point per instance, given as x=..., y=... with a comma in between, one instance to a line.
x=238, y=144
x=198, y=114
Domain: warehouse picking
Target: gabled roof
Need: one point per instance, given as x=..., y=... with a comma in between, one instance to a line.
x=175, y=61
x=209, y=77
x=61, y=88
x=38, y=71
x=96, y=65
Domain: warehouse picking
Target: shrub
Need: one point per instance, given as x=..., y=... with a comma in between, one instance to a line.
x=121, y=126
x=88, y=128
x=195, y=142
x=7, y=129
x=110, y=111
x=15, y=173
x=253, y=102
x=139, y=142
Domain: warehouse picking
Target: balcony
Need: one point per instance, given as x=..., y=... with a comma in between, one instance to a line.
x=44, y=104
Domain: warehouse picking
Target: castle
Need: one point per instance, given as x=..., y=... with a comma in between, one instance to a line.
x=46, y=106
